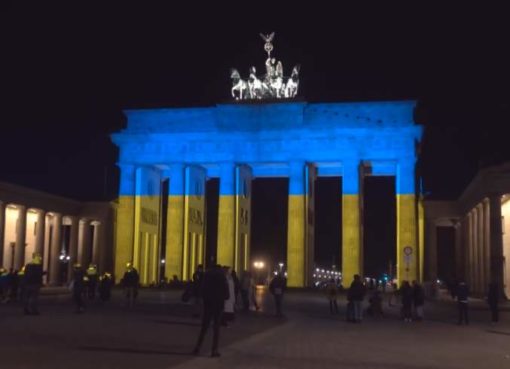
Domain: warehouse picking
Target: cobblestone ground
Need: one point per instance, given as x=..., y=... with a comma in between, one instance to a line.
x=160, y=332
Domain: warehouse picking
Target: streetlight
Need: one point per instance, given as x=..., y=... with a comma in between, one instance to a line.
x=258, y=265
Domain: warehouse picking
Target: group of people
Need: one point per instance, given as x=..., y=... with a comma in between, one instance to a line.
x=218, y=293
x=461, y=294
x=26, y=284
x=85, y=284
x=412, y=299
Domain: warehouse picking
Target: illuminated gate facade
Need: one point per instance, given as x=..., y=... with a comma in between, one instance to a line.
x=241, y=141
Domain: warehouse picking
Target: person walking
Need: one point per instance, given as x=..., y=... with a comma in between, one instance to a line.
x=418, y=301
x=355, y=296
x=78, y=287
x=215, y=291
x=493, y=300
x=32, y=283
x=332, y=293
x=277, y=289
x=406, y=293
x=130, y=282
x=462, y=303
x=229, y=305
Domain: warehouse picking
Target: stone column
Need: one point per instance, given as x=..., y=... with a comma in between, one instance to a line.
x=481, y=251
x=21, y=229
x=470, y=267
x=487, y=241
x=351, y=222
x=2, y=231
x=100, y=248
x=175, y=222
x=125, y=218
x=55, y=250
x=459, y=255
x=84, y=243
x=476, y=247
x=39, y=233
x=226, y=216
x=407, y=247
x=73, y=246
x=296, y=223
x=96, y=243
x=496, y=238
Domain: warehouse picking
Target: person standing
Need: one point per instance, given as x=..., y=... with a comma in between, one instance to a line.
x=332, y=293
x=215, y=291
x=245, y=287
x=406, y=293
x=462, y=302
x=15, y=279
x=493, y=300
x=277, y=289
x=91, y=281
x=32, y=283
x=78, y=288
x=105, y=287
x=229, y=305
x=355, y=296
x=418, y=301
x=130, y=282
x=253, y=292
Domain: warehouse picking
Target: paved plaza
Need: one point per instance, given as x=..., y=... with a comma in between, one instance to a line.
x=160, y=332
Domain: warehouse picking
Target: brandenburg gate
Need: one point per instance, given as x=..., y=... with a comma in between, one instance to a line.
x=252, y=138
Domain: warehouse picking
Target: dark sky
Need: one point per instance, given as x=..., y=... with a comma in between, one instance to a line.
x=67, y=72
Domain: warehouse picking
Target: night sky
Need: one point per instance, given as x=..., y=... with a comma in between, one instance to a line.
x=67, y=72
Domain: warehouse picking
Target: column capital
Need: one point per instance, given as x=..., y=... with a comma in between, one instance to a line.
x=494, y=197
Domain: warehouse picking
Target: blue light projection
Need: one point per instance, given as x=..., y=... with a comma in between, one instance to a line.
x=273, y=139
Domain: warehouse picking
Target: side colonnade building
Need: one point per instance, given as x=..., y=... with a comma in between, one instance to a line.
x=61, y=230
x=480, y=220
x=166, y=156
